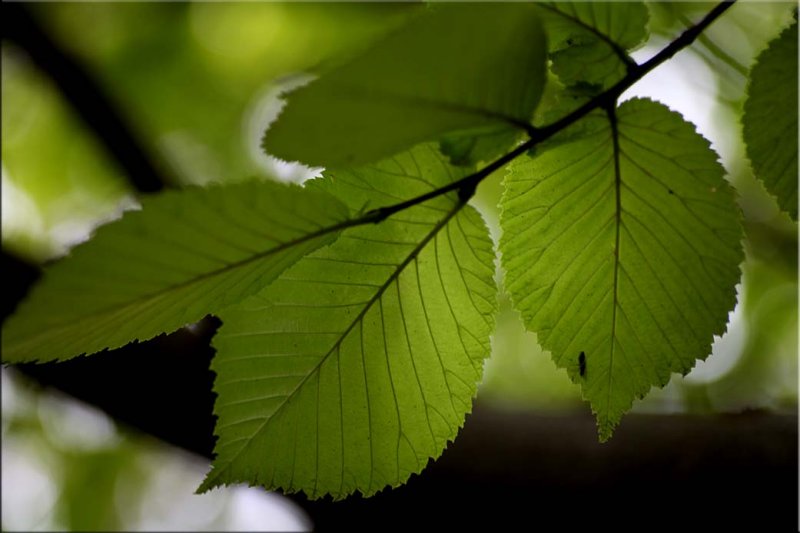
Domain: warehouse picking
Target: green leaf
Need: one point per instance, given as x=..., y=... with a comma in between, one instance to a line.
x=467, y=150
x=184, y=255
x=625, y=248
x=359, y=363
x=770, y=119
x=455, y=67
x=589, y=41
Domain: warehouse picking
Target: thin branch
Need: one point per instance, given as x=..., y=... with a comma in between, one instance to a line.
x=86, y=96
x=612, y=94
x=467, y=185
x=715, y=50
x=685, y=39
x=92, y=104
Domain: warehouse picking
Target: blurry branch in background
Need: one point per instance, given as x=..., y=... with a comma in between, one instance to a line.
x=87, y=98
x=718, y=52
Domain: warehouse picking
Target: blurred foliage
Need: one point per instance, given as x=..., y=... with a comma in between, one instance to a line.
x=199, y=82
x=190, y=79
x=69, y=467
x=189, y=75
x=57, y=182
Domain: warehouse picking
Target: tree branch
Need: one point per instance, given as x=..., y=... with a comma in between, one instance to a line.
x=99, y=113
x=466, y=185
x=718, y=52
x=609, y=96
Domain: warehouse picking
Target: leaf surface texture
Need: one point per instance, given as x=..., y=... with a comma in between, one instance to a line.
x=589, y=41
x=770, y=119
x=470, y=67
x=184, y=255
x=622, y=244
x=359, y=363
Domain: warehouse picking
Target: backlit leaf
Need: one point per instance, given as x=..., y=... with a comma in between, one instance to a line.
x=184, y=255
x=624, y=247
x=770, y=119
x=359, y=363
x=589, y=41
x=470, y=67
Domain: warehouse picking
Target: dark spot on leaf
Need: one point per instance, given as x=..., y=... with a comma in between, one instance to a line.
x=670, y=191
x=582, y=364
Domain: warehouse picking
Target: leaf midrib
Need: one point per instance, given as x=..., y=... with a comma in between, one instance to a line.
x=612, y=117
x=358, y=319
x=418, y=101
x=71, y=322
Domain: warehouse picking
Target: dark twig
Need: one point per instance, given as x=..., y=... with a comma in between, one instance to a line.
x=718, y=52
x=610, y=96
x=466, y=186
x=98, y=112
x=604, y=99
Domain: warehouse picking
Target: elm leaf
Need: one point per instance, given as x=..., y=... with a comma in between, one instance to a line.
x=360, y=362
x=770, y=119
x=186, y=254
x=622, y=243
x=455, y=67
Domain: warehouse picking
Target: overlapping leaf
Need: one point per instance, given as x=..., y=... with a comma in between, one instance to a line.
x=589, y=41
x=624, y=248
x=359, y=363
x=456, y=67
x=184, y=255
x=468, y=149
x=770, y=119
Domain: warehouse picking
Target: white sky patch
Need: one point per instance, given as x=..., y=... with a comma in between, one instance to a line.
x=21, y=218
x=163, y=501
x=25, y=224
x=76, y=426
x=684, y=84
x=725, y=352
x=30, y=488
x=264, y=110
x=252, y=509
x=687, y=85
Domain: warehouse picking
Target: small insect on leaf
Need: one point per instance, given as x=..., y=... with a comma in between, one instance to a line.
x=582, y=364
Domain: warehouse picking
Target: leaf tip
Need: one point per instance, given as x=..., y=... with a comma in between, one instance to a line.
x=605, y=429
x=210, y=482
